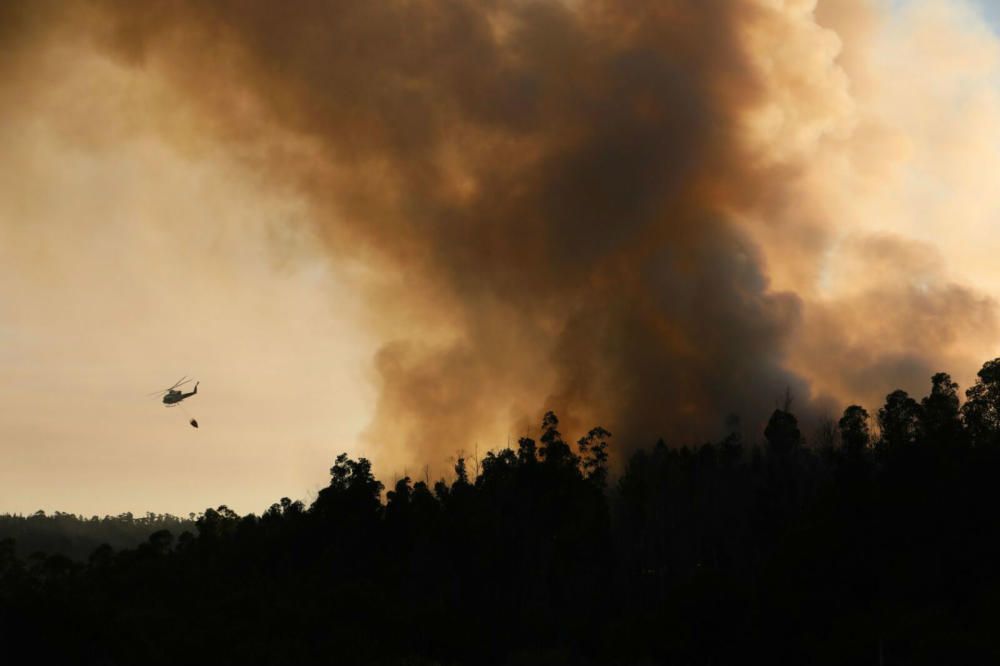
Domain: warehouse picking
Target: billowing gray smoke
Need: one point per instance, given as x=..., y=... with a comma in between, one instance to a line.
x=542, y=191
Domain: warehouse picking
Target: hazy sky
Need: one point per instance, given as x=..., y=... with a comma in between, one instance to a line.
x=127, y=263
x=404, y=231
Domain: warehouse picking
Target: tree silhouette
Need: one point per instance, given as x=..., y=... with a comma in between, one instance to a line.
x=594, y=455
x=899, y=421
x=981, y=410
x=854, y=431
x=353, y=492
x=554, y=451
x=940, y=417
x=782, y=433
x=526, y=451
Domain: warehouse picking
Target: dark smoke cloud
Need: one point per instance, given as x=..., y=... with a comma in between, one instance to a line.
x=543, y=190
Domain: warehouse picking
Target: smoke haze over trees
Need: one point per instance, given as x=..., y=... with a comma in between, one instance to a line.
x=877, y=543
x=652, y=214
x=77, y=537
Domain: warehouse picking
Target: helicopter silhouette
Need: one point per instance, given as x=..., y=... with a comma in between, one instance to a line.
x=173, y=396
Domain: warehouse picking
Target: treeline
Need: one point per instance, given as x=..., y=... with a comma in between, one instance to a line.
x=876, y=545
x=76, y=536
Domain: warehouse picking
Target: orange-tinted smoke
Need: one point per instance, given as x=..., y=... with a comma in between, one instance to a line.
x=542, y=191
x=565, y=205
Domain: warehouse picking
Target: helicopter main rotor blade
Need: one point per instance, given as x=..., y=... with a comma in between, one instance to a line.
x=180, y=382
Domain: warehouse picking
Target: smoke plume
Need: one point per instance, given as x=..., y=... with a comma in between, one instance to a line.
x=544, y=191
x=628, y=212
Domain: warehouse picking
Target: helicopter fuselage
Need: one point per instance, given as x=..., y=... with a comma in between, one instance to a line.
x=173, y=396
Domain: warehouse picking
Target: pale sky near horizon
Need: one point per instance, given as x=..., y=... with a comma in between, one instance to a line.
x=135, y=248
x=133, y=264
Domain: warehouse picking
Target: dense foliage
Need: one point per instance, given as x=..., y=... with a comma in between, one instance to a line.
x=77, y=536
x=878, y=544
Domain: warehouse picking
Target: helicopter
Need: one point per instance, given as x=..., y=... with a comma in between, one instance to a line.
x=173, y=396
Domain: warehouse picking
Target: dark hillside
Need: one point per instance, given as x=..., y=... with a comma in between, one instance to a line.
x=76, y=537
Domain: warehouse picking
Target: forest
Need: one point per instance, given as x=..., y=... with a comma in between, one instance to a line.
x=875, y=544
x=76, y=537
